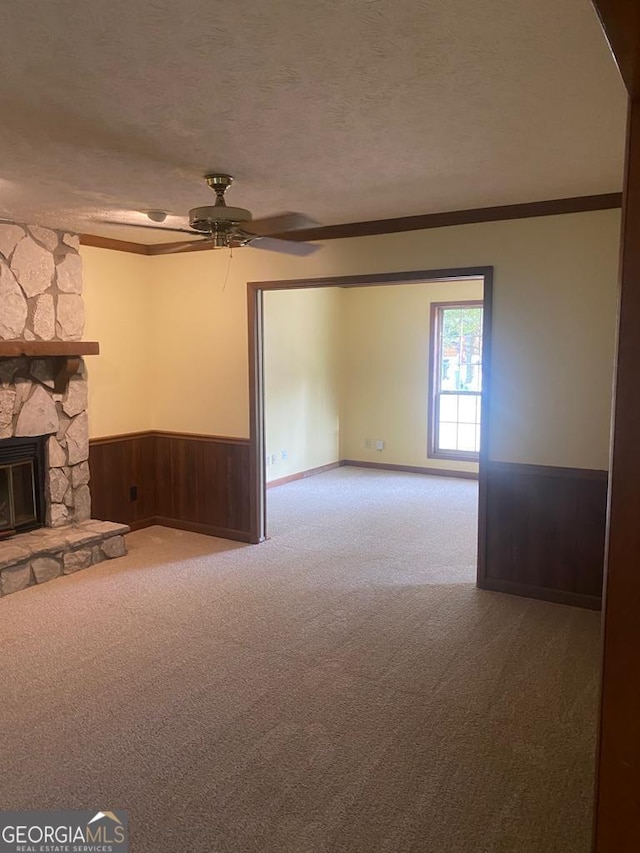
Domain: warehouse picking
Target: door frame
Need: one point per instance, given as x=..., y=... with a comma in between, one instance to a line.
x=255, y=310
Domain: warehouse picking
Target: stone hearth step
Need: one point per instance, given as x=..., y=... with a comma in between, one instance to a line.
x=44, y=554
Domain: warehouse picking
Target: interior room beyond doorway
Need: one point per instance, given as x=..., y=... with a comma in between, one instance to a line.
x=364, y=375
x=383, y=377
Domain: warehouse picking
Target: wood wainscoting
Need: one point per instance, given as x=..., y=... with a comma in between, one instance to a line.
x=192, y=482
x=544, y=533
x=544, y=526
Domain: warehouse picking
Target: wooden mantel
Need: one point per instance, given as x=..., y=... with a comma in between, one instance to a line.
x=44, y=349
x=66, y=353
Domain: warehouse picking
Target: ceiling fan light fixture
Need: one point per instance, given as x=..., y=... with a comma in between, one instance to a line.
x=157, y=215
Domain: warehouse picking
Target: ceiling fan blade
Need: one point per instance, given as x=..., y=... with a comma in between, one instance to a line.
x=278, y=224
x=285, y=247
x=173, y=248
x=140, y=225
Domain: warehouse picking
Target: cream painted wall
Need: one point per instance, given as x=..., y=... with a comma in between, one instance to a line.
x=119, y=312
x=302, y=364
x=554, y=320
x=386, y=371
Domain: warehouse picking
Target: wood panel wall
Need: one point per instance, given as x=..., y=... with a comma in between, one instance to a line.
x=544, y=527
x=192, y=482
x=545, y=533
x=617, y=823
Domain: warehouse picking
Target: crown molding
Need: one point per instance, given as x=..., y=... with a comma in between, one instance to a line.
x=553, y=207
x=115, y=245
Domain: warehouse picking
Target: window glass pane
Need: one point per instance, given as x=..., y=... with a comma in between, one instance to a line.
x=466, y=437
x=467, y=412
x=448, y=436
x=449, y=407
x=450, y=373
x=23, y=497
x=459, y=370
x=461, y=349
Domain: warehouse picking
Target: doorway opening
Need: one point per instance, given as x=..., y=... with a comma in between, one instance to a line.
x=468, y=367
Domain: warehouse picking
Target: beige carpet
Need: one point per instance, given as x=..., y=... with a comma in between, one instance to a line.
x=342, y=687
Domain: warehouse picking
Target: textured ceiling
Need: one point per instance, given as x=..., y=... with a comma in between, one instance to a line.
x=347, y=110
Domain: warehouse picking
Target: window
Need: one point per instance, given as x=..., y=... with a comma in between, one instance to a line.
x=456, y=388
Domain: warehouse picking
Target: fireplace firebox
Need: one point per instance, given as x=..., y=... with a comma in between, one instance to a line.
x=22, y=502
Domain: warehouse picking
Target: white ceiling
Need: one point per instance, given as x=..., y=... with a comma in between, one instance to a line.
x=347, y=110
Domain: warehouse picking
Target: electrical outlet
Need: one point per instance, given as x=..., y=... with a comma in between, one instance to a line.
x=367, y=444
x=379, y=444
x=283, y=455
x=133, y=493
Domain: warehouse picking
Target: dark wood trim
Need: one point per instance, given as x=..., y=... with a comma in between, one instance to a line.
x=412, y=469
x=499, y=213
x=115, y=245
x=124, y=436
x=483, y=521
x=257, y=451
x=620, y=20
x=617, y=822
x=420, y=222
x=617, y=806
x=217, y=439
x=206, y=529
x=376, y=279
x=435, y=347
x=194, y=436
x=303, y=475
x=561, y=472
x=43, y=349
x=434, y=334
x=556, y=596
x=177, y=524
x=255, y=290
x=142, y=523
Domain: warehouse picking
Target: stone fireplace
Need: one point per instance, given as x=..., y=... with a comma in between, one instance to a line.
x=45, y=502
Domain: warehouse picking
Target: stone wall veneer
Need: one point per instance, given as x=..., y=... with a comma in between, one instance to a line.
x=41, y=299
x=13, y=316
x=40, y=284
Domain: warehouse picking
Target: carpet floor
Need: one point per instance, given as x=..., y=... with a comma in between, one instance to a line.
x=341, y=687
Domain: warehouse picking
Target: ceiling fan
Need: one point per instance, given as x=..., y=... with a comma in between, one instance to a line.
x=230, y=227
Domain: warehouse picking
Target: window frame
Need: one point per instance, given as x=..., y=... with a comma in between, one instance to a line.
x=435, y=353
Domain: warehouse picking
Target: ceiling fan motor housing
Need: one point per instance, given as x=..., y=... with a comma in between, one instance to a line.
x=218, y=221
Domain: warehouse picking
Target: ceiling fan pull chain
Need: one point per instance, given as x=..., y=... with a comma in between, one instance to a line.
x=224, y=285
